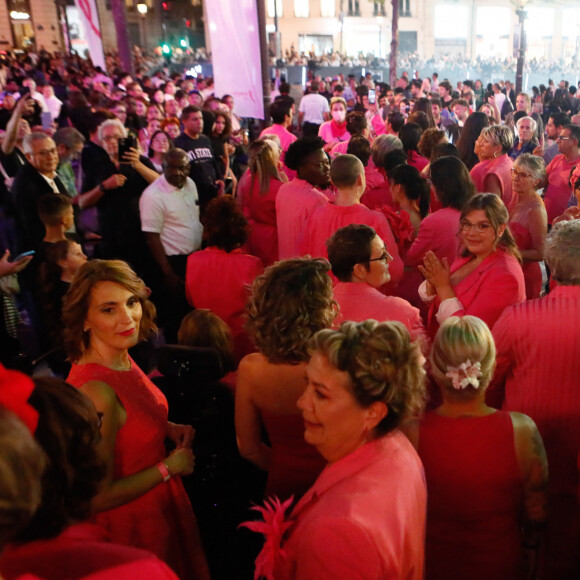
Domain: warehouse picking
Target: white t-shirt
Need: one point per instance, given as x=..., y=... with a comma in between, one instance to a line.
x=173, y=214
x=314, y=106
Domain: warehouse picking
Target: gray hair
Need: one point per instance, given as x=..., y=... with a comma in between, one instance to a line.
x=499, y=135
x=69, y=137
x=532, y=121
x=383, y=365
x=563, y=252
x=31, y=138
x=382, y=145
x=111, y=123
x=533, y=163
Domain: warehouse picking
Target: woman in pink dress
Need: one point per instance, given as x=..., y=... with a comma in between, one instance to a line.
x=410, y=134
x=364, y=517
x=220, y=276
x=142, y=501
x=438, y=231
x=492, y=173
x=289, y=303
x=257, y=190
x=487, y=278
x=529, y=220
x=486, y=470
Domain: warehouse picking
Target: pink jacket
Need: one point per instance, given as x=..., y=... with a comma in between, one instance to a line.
x=363, y=519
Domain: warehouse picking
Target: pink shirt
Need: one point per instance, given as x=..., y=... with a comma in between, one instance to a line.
x=373, y=177
x=558, y=190
x=379, y=195
x=363, y=518
x=325, y=131
x=537, y=373
x=501, y=168
x=326, y=220
x=295, y=201
x=286, y=138
x=360, y=301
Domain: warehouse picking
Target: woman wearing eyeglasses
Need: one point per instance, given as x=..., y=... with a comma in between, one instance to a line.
x=529, y=219
x=487, y=277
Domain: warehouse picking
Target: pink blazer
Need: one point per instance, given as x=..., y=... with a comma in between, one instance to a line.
x=496, y=283
x=363, y=518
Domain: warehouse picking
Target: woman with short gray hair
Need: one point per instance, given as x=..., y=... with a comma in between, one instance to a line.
x=529, y=220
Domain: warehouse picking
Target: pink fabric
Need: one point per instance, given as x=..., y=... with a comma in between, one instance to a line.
x=325, y=131
x=377, y=196
x=261, y=213
x=498, y=282
x=286, y=138
x=359, y=301
x=558, y=191
x=417, y=161
x=80, y=550
x=532, y=270
x=373, y=177
x=295, y=201
x=378, y=125
x=221, y=282
x=339, y=149
x=500, y=167
x=363, y=518
x=438, y=233
x=327, y=219
x=475, y=495
x=162, y=520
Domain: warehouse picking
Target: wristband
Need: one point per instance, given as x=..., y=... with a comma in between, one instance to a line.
x=164, y=470
x=102, y=188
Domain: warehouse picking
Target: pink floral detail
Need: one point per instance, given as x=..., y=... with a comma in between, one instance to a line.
x=273, y=527
x=400, y=225
x=464, y=375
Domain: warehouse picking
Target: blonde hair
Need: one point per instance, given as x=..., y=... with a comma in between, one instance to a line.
x=383, y=365
x=262, y=164
x=460, y=339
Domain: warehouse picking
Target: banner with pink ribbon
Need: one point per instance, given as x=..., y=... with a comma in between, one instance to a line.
x=92, y=28
x=235, y=49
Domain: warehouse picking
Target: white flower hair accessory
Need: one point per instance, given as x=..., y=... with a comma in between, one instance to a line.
x=464, y=375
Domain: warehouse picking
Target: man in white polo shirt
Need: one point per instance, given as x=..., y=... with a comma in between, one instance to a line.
x=313, y=111
x=169, y=210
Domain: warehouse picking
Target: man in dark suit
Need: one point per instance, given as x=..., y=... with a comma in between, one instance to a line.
x=34, y=179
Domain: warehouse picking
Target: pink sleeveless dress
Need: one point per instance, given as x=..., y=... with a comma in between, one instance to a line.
x=532, y=271
x=162, y=520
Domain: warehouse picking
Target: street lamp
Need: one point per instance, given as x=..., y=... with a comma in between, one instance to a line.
x=522, y=15
x=142, y=8
x=380, y=23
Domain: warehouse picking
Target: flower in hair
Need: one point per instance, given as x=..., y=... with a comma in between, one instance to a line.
x=464, y=375
x=273, y=527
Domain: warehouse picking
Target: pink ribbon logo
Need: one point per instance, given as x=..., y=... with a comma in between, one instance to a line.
x=85, y=7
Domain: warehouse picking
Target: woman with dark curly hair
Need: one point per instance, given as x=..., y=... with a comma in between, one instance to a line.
x=290, y=302
x=142, y=501
x=364, y=517
x=297, y=199
x=58, y=543
x=219, y=277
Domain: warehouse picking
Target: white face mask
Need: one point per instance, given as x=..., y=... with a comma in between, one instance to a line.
x=338, y=116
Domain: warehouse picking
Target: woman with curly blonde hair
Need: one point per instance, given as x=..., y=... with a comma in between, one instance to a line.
x=290, y=302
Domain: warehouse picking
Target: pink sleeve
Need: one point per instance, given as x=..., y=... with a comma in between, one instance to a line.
x=422, y=244
x=396, y=266
x=497, y=291
x=336, y=548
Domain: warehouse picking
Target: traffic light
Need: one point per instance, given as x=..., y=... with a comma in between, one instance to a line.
x=166, y=49
x=183, y=43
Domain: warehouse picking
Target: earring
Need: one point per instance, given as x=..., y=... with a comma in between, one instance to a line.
x=85, y=330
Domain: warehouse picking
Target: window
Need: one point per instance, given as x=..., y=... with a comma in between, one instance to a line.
x=327, y=8
x=353, y=8
x=404, y=7
x=301, y=8
x=379, y=8
x=271, y=13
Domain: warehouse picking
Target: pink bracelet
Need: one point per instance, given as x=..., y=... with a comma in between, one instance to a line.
x=164, y=470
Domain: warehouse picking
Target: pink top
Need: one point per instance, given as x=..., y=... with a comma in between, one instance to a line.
x=475, y=495
x=378, y=195
x=327, y=219
x=363, y=518
x=295, y=201
x=498, y=282
x=373, y=177
x=286, y=138
x=359, y=301
x=221, y=282
x=378, y=125
x=78, y=551
x=340, y=135
x=501, y=168
x=558, y=191
x=261, y=213
x=417, y=161
x=339, y=149
x=538, y=365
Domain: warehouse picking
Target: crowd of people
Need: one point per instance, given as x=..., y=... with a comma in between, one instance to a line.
x=388, y=277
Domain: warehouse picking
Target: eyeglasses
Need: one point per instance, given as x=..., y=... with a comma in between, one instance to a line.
x=46, y=152
x=517, y=174
x=560, y=138
x=480, y=228
x=382, y=258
